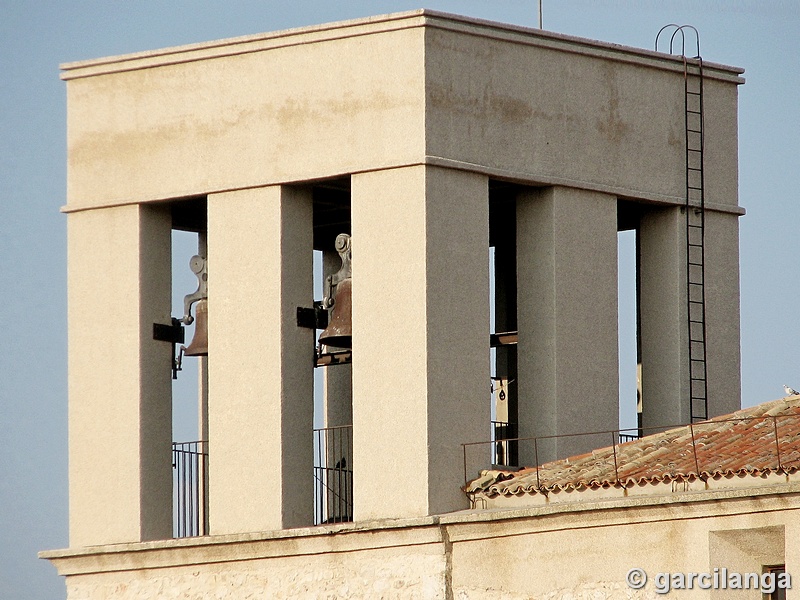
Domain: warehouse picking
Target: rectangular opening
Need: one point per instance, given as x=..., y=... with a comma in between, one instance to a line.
x=629, y=360
x=333, y=396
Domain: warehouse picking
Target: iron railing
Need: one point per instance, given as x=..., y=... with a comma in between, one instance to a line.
x=333, y=475
x=190, y=489
x=698, y=460
x=504, y=445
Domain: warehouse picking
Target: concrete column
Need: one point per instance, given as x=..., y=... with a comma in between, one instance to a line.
x=722, y=313
x=420, y=337
x=120, y=413
x=260, y=405
x=567, y=318
x=663, y=318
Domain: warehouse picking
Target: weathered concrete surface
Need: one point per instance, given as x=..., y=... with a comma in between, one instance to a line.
x=555, y=552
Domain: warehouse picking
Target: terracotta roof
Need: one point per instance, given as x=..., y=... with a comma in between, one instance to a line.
x=740, y=444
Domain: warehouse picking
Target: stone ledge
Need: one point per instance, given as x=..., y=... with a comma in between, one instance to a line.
x=436, y=531
x=523, y=178
x=382, y=24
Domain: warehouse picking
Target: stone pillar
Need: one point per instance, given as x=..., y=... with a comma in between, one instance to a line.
x=120, y=413
x=260, y=405
x=722, y=313
x=567, y=318
x=420, y=337
x=663, y=318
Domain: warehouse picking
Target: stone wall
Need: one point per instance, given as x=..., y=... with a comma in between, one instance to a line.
x=552, y=552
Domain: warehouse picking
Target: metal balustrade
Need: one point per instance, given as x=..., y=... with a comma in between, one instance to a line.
x=333, y=475
x=190, y=488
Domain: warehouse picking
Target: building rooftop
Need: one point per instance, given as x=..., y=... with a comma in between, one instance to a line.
x=751, y=443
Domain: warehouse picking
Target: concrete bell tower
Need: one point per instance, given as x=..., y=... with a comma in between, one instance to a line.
x=426, y=137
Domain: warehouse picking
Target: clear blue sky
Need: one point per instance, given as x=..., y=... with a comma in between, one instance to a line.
x=36, y=35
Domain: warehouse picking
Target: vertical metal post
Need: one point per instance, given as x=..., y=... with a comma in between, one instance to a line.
x=464, y=446
x=694, y=450
x=614, y=449
x=777, y=443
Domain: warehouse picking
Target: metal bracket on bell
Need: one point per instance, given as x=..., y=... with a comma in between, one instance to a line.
x=173, y=334
x=312, y=318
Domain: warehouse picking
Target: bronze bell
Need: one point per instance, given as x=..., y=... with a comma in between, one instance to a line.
x=199, y=345
x=339, y=332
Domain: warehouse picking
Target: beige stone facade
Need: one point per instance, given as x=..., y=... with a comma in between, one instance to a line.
x=558, y=551
x=422, y=128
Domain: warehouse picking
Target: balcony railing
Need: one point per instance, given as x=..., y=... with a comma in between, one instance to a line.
x=504, y=443
x=190, y=488
x=773, y=448
x=333, y=475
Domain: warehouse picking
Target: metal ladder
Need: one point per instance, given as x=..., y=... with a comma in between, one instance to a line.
x=695, y=238
x=695, y=220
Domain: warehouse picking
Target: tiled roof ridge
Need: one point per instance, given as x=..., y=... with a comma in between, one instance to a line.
x=739, y=444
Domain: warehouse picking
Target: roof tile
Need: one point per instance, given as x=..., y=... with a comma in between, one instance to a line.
x=740, y=444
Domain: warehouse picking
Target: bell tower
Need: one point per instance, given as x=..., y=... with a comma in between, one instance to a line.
x=402, y=147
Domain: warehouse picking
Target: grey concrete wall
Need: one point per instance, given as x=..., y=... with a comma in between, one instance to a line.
x=552, y=113
x=663, y=304
x=567, y=318
x=664, y=325
x=722, y=314
x=120, y=411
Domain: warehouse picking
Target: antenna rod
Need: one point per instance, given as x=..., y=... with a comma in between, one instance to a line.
x=540, y=14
